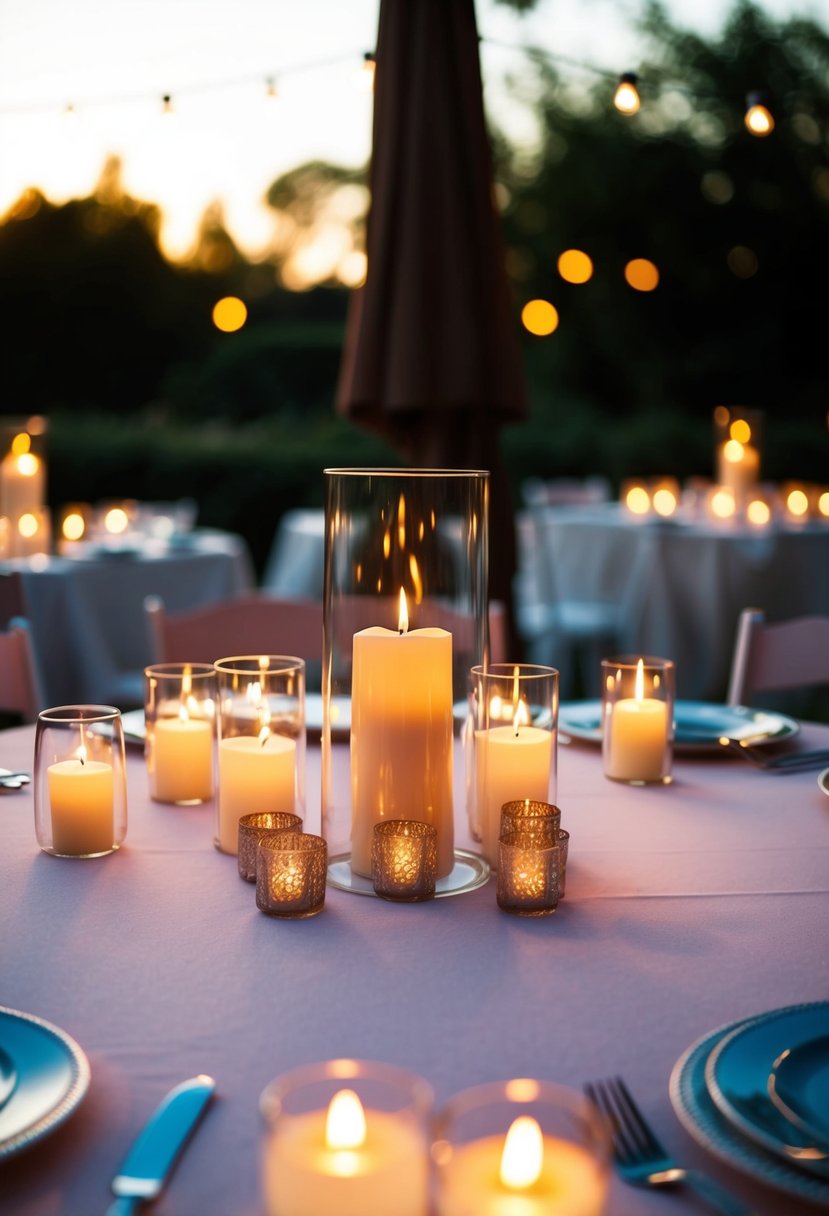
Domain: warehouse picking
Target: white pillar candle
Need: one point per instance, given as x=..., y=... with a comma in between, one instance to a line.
x=401, y=736
x=21, y=485
x=638, y=739
x=511, y=762
x=254, y=775
x=738, y=466
x=552, y=1177
x=379, y=1171
x=182, y=760
x=81, y=801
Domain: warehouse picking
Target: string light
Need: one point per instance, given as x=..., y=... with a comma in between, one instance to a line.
x=758, y=118
x=626, y=99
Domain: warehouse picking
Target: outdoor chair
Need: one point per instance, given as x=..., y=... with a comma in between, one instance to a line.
x=19, y=683
x=776, y=657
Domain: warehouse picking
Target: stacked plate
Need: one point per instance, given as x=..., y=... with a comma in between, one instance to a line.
x=756, y=1093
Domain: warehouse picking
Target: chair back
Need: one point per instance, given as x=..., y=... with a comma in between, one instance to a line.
x=250, y=624
x=785, y=655
x=19, y=685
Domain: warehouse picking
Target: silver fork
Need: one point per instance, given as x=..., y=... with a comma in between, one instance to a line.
x=641, y=1159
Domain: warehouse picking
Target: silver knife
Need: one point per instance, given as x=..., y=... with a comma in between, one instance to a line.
x=150, y=1161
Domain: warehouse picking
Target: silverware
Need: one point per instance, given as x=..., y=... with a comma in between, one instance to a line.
x=641, y=1159
x=150, y=1161
x=790, y=762
x=13, y=781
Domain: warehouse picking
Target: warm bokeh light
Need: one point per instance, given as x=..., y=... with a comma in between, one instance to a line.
x=73, y=526
x=574, y=266
x=21, y=443
x=740, y=430
x=229, y=314
x=27, y=464
x=664, y=501
x=721, y=415
x=759, y=120
x=758, y=512
x=638, y=500
x=723, y=504
x=742, y=262
x=823, y=504
x=539, y=317
x=345, y=1121
x=797, y=503
x=733, y=451
x=352, y=269
x=116, y=521
x=27, y=525
x=626, y=98
x=523, y=1154
x=641, y=274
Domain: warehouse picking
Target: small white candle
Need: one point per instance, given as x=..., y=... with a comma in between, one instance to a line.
x=401, y=735
x=81, y=800
x=255, y=774
x=638, y=739
x=182, y=759
x=346, y=1161
x=511, y=762
x=523, y=1174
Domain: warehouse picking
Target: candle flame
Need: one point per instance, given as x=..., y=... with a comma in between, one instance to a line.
x=403, y=616
x=81, y=754
x=253, y=693
x=523, y=1154
x=183, y=715
x=345, y=1122
x=639, y=686
x=187, y=681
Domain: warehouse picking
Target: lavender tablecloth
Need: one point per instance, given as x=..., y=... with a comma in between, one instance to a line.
x=686, y=907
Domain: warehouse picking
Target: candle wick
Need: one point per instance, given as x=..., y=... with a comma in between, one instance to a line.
x=82, y=760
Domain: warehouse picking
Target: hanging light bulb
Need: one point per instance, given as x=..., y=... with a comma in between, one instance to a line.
x=626, y=99
x=758, y=119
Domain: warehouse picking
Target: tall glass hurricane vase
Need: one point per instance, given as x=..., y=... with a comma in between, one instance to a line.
x=405, y=617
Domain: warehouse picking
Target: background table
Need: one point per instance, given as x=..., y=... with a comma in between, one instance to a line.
x=678, y=587
x=687, y=907
x=86, y=613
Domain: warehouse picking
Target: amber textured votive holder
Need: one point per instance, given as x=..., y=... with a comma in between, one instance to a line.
x=528, y=876
x=257, y=827
x=404, y=860
x=290, y=875
x=563, y=848
x=537, y=823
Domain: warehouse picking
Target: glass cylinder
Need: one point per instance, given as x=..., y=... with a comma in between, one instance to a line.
x=80, y=780
x=23, y=485
x=180, y=722
x=528, y=875
x=405, y=617
x=738, y=445
x=261, y=732
x=349, y=1137
x=521, y=1146
x=253, y=829
x=512, y=751
x=290, y=874
x=404, y=860
x=638, y=719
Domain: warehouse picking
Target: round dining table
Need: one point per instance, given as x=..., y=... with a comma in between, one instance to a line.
x=688, y=906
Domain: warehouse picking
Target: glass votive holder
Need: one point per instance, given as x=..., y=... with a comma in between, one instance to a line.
x=638, y=719
x=528, y=876
x=349, y=1137
x=261, y=825
x=290, y=874
x=513, y=753
x=180, y=724
x=521, y=1146
x=80, y=780
x=404, y=860
x=535, y=822
x=261, y=731
x=563, y=849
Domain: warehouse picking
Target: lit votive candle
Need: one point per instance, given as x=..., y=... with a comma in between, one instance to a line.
x=255, y=774
x=350, y=1156
x=510, y=761
x=290, y=874
x=528, y=876
x=183, y=753
x=81, y=797
x=637, y=730
x=258, y=827
x=404, y=860
x=534, y=822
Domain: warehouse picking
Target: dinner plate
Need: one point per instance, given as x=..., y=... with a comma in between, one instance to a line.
x=52, y=1078
x=823, y=780
x=799, y=1087
x=699, y=725
x=737, y=1075
x=702, y=1119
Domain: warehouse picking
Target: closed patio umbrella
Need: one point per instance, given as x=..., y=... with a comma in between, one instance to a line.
x=431, y=359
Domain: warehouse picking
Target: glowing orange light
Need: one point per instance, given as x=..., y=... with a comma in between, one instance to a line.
x=21, y=443
x=229, y=314
x=539, y=317
x=575, y=266
x=758, y=118
x=27, y=525
x=641, y=274
x=523, y=1154
x=723, y=504
x=638, y=500
x=797, y=503
x=758, y=512
x=740, y=430
x=73, y=526
x=664, y=501
x=626, y=99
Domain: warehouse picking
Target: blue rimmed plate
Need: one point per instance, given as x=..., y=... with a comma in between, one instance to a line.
x=699, y=724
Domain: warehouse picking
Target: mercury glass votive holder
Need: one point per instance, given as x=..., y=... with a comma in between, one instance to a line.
x=261, y=732
x=638, y=719
x=80, y=785
x=290, y=874
x=180, y=724
x=346, y=1138
x=257, y=827
x=404, y=860
x=563, y=849
x=528, y=876
x=521, y=1146
x=535, y=822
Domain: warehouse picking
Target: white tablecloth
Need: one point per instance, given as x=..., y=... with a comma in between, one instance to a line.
x=687, y=907
x=680, y=587
x=87, y=614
